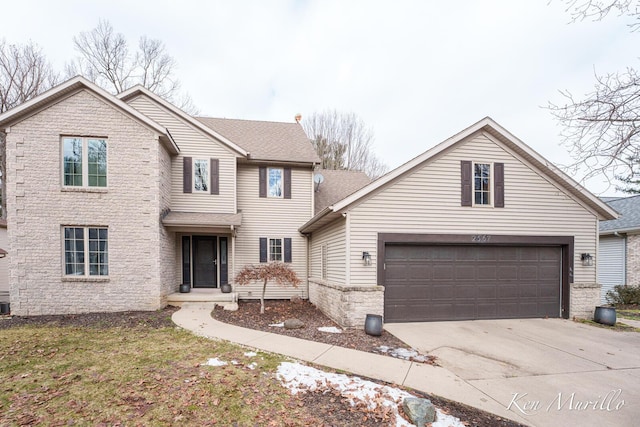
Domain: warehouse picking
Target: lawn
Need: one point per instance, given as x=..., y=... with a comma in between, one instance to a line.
x=61, y=375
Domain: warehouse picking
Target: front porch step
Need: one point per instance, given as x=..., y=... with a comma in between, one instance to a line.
x=202, y=295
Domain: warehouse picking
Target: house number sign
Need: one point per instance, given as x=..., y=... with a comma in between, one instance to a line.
x=481, y=238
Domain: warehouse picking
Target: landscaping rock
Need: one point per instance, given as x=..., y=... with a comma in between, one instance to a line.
x=231, y=306
x=296, y=299
x=419, y=411
x=293, y=324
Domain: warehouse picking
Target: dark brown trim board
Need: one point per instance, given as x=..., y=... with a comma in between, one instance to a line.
x=565, y=242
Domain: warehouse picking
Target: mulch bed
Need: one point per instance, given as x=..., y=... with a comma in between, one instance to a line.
x=277, y=311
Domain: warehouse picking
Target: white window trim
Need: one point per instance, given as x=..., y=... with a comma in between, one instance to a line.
x=281, y=196
x=269, y=239
x=85, y=164
x=193, y=177
x=86, y=276
x=473, y=185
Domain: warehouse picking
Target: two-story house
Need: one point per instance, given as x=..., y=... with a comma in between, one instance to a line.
x=114, y=201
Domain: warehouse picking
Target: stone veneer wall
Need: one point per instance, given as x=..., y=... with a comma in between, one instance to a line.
x=633, y=259
x=38, y=207
x=584, y=299
x=346, y=305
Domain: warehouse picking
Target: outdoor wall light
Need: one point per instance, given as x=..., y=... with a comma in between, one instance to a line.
x=587, y=260
x=366, y=258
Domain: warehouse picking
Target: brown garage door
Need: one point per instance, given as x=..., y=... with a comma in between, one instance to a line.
x=426, y=283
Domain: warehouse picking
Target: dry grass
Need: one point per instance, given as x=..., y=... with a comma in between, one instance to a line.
x=52, y=375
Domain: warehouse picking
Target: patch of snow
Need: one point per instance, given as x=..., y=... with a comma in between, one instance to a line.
x=250, y=354
x=300, y=379
x=330, y=329
x=278, y=325
x=214, y=361
x=235, y=362
x=252, y=366
x=403, y=353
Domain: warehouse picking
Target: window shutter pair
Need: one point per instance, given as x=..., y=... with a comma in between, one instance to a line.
x=466, y=179
x=214, y=175
x=287, y=249
x=262, y=182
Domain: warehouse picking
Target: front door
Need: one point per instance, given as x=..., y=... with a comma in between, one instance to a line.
x=205, y=262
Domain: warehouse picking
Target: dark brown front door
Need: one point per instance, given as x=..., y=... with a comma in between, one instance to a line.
x=457, y=282
x=205, y=262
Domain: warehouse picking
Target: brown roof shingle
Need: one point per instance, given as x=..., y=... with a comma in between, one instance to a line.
x=275, y=141
x=337, y=185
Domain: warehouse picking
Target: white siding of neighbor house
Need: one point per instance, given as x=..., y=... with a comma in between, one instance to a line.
x=427, y=200
x=4, y=265
x=196, y=144
x=611, y=264
x=334, y=237
x=272, y=218
x=38, y=208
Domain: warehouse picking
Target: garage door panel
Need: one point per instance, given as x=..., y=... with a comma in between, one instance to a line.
x=425, y=283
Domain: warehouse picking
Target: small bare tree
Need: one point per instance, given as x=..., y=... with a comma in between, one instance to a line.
x=343, y=141
x=25, y=73
x=105, y=59
x=278, y=272
x=602, y=129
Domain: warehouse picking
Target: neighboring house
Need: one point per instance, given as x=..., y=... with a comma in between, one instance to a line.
x=478, y=227
x=619, y=251
x=4, y=262
x=113, y=202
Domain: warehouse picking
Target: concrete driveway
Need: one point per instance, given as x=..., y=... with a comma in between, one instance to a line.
x=548, y=372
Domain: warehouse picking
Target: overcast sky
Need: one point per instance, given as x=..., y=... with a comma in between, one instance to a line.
x=417, y=72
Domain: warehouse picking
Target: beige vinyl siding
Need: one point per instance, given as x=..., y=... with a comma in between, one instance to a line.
x=333, y=236
x=272, y=218
x=428, y=201
x=193, y=143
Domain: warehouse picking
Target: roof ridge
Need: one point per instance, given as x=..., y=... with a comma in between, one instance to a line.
x=246, y=120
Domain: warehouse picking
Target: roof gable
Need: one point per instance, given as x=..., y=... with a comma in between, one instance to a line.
x=140, y=90
x=268, y=141
x=629, y=220
x=72, y=86
x=496, y=132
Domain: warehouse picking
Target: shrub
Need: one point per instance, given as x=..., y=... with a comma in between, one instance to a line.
x=624, y=295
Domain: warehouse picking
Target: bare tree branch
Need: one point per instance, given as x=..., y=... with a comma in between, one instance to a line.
x=343, y=141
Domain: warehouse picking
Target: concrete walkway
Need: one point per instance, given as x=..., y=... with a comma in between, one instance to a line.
x=196, y=317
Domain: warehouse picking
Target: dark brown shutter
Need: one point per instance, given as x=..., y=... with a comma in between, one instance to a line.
x=287, y=249
x=215, y=176
x=262, y=181
x=263, y=249
x=187, y=174
x=466, y=177
x=287, y=183
x=498, y=172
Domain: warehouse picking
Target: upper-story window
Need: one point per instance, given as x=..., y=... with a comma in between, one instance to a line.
x=275, y=182
x=482, y=183
x=201, y=175
x=84, y=162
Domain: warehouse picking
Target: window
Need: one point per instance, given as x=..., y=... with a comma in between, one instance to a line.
x=482, y=183
x=276, y=249
x=86, y=251
x=275, y=182
x=84, y=162
x=201, y=175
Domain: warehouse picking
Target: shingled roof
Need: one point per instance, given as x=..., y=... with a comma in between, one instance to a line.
x=337, y=185
x=629, y=210
x=273, y=141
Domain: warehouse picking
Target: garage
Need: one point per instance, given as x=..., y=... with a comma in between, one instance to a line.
x=437, y=282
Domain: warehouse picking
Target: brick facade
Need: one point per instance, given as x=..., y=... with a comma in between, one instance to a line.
x=38, y=207
x=347, y=306
x=633, y=259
